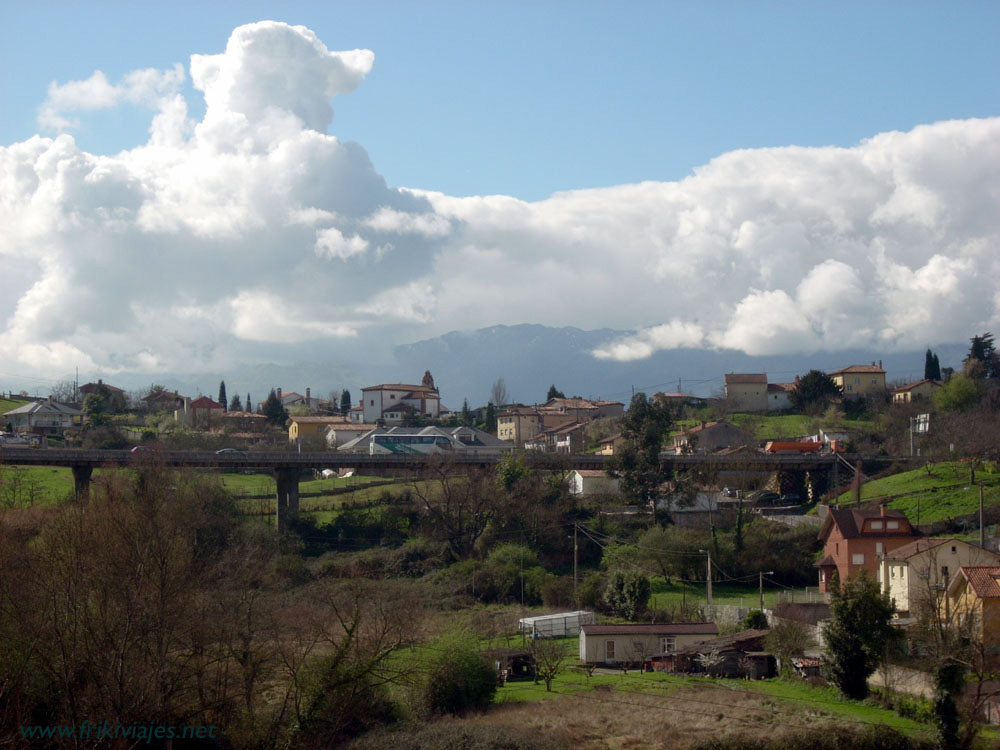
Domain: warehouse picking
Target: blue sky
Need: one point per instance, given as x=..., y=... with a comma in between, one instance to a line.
x=526, y=99
x=769, y=178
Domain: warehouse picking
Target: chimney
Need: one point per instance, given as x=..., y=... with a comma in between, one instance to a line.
x=278, y=393
x=881, y=509
x=308, y=400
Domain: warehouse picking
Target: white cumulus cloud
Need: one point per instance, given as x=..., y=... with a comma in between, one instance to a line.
x=255, y=234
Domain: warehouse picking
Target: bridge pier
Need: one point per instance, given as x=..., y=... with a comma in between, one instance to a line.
x=288, y=496
x=81, y=482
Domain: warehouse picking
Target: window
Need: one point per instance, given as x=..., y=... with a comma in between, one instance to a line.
x=944, y=571
x=874, y=381
x=850, y=387
x=822, y=576
x=836, y=548
x=668, y=644
x=392, y=396
x=857, y=381
x=892, y=572
x=954, y=550
x=876, y=525
x=892, y=525
x=878, y=548
x=858, y=558
x=372, y=403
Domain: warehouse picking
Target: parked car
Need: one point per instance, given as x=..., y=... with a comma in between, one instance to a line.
x=141, y=449
x=791, y=498
x=230, y=452
x=765, y=497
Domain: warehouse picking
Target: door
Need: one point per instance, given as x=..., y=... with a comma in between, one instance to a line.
x=609, y=652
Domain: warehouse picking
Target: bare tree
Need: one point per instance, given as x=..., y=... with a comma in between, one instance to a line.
x=498, y=393
x=458, y=504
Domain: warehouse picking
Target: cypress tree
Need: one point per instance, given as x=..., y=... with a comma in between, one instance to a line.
x=222, y=395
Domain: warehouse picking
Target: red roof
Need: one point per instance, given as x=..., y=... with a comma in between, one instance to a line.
x=205, y=403
x=851, y=521
x=859, y=368
x=983, y=580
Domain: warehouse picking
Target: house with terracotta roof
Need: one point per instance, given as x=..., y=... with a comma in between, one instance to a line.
x=859, y=381
x=305, y=427
x=746, y=391
x=564, y=438
x=584, y=410
x=709, y=437
x=972, y=605
x=921, y=390
x=779, y=396
x=611, y=645
x=202, y=412
x=608, y=445
x=916, y=575
x=856, y=539
x=392, y=402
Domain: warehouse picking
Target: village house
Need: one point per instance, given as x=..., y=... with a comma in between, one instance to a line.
x=746, y=391
x=612, y=645
x=202, y=412
x=43, y=418
x=584, y=410
x=922, y=390
x=709, y=437
x=972, y=605
x=779, y=396
x=608, y=445
x=916, y=575
x=303, y=428
x=859, y=381
x=338, y=434
x=392, y=403
x=855, y=540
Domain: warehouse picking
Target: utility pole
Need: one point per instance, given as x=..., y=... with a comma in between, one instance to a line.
x=708, y=578
x=982, y=529
x=576, y=599
x=761, y=586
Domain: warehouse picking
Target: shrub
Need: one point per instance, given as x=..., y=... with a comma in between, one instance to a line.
x=458, y=679
x=627, y=594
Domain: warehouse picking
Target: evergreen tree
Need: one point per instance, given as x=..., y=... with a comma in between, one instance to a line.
x=465, y=416
x=644, y=428
x=249, y=402
x=813, y=391
x=274, y=410
x=932, y=368
x=554, y=393
x=491, y=419
x=983, y=361
x=235, y=404
x=345, y=402
x=222, y=395
x=857, y=633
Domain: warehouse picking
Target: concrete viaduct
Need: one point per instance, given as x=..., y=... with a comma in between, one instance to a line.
x=286, y=466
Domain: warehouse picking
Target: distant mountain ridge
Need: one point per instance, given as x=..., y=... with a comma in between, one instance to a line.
x=531, y=357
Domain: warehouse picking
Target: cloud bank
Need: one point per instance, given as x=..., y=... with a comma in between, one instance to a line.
x=255, y=234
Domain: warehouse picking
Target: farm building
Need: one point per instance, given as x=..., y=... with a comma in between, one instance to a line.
x=635, y=644
x=563, y=624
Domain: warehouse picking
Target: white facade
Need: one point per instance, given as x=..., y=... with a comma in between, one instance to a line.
x=390, y=403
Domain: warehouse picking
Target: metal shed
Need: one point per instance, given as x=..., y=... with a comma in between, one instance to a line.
x=561, y=625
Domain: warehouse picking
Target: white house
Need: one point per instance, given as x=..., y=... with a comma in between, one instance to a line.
x=391, y=403
x=43, y=417
x=615, y=644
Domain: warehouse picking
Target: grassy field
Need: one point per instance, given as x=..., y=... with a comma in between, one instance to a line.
x=674, y=594
x=6, y=404
x=771, y=426
x=35, y=485
x=646, y=710
x=934, y=493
